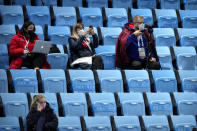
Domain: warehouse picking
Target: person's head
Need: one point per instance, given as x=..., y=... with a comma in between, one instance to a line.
x=78, y=30
x=138, y=20
x=38, y=99
x=28, y=30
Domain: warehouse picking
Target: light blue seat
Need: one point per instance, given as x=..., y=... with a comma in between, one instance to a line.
x=15, y=104
x=164, y=36
x=91, y=16
x=82, y=81
x=97, y=3
x=59, y=34
x=11, y=15
x=185, y=57
x=127, y=123
x=69, y=123
x=24, y=81
x=3, y=81
x=9, y=123
x=6, y=33
x=58, y=60
x=74, y=104
x=190, y=4
x=103, y=104
x=4, y=57
x=164, y=80
x=186, y=103
x=72, y=3
x=150, y=4
x=170, y=4
x=183, y=122
x=20, y=2
x=188, y=18
x=90, y=36
x=51, y=99
x=65, y=16
x=160, y=103
x=187, y=37
x=132, y=104
x=116, y=17
x=165, y=59
x=156, y=123
x=110, y=80
x=53, y=81
x=46, y=2
x=98, y=123
x=166, y=18
x=107, y=53
x=146, y=13
x=122, y=3
x=61, y=48
x=39, y=15
x=188, y=80
x=137, y=80
x=110, y=35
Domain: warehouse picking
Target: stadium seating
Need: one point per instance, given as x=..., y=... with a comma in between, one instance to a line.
x=3, y=81
x=20, y=2
x=188, y=18
x=6, y=33
x=9, y=123
x=4, y=56
x=97, y=3
x=170, y=4
x=122, y=3
x=71, y=3
x=190, y=4
x=132, y=104
x=46, y=2
x=150, y=4
x=58, y=60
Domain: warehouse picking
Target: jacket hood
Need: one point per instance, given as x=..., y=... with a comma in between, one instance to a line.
x=129, y=26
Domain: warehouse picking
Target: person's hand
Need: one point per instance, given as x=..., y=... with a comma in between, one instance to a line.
x=92, y=31
x=137, y=33
x=39, y=108
x=153, y=59
x=26, y=52
x=87, y=32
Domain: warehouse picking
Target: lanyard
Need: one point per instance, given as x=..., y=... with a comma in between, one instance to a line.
x=141, y=41
x=27, y=42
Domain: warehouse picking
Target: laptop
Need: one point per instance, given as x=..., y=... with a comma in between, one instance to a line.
x=42, y=47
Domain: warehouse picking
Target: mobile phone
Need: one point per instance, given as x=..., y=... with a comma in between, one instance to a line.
x=91, y=26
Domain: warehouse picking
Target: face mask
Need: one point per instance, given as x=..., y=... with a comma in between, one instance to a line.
x=141, y=27
x=30, y=32
x=80, y=32
x=43, y=105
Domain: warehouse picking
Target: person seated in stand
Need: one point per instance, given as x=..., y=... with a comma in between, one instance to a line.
x=82, y=49
x=21, y=46
x=133, y=46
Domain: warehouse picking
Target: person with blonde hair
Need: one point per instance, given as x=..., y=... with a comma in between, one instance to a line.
x=82, y=49
x=41, y=117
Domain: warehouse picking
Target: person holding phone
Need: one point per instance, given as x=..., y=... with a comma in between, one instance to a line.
x=82, y=49
x=41, y=117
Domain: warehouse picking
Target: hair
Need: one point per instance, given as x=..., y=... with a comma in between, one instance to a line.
x=75, y=27
x=36, y=99
x=24, y=28
x=137, y=17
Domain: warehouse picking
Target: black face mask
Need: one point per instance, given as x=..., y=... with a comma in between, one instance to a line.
x=31, y=32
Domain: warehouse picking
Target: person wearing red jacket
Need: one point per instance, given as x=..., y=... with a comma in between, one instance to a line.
x=21, y=46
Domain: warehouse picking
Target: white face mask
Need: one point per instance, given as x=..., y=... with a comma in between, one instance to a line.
x=80, y=32
x=141, y=27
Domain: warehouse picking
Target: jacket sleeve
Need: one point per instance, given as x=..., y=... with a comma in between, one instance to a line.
x=75, y=44
x=14, y=48
x=52, y=124
x=32, y=118
x=95, y=41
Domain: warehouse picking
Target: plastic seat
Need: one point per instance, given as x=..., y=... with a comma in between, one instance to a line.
x=53, y=81
x=164, y=80
x=137, y=80
x=3, y=81
x=65, y=16
x=146, y=13
x=165, y=59
x=190, y=4
x=156, y=123
x=20, y=2
x=188, y=18
x=98, y=123
x=183, y=122
x=9, y=123
x=122, y=3
x=15, y=104
x=116, y=17
x=110, y=80
x=4, y=57
x=11, y=15
x=91, y=16
x=164, y=37
x=24, y=81
x=185, y=55
x=51, y=99
x=6, y=33
x=170, y=4
x=57, y=60
x=110, y=35
x=69, y=123
x=97, y=3
x=46, y=2
x=72, y=3
x=186, y=103
x=74, y=104
x=160, y=103
x=103, y=104
x=166, y=18
x=186, y=37
x=188, y=80
x=108, y=55
x=82, y=81
x=132, y=104
x=39, y=15
x=127, y=123
x=150, y=4
x=59, y=34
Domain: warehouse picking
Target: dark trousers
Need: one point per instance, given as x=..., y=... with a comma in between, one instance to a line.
x=137, y=65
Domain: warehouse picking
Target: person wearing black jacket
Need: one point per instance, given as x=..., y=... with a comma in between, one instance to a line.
x=41, y=117
x=82, y=49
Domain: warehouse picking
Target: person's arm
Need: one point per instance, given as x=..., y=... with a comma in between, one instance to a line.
x=95, y=41
x=14, y=48
x=32, y=118
x=52, y=124
x=76, y=44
